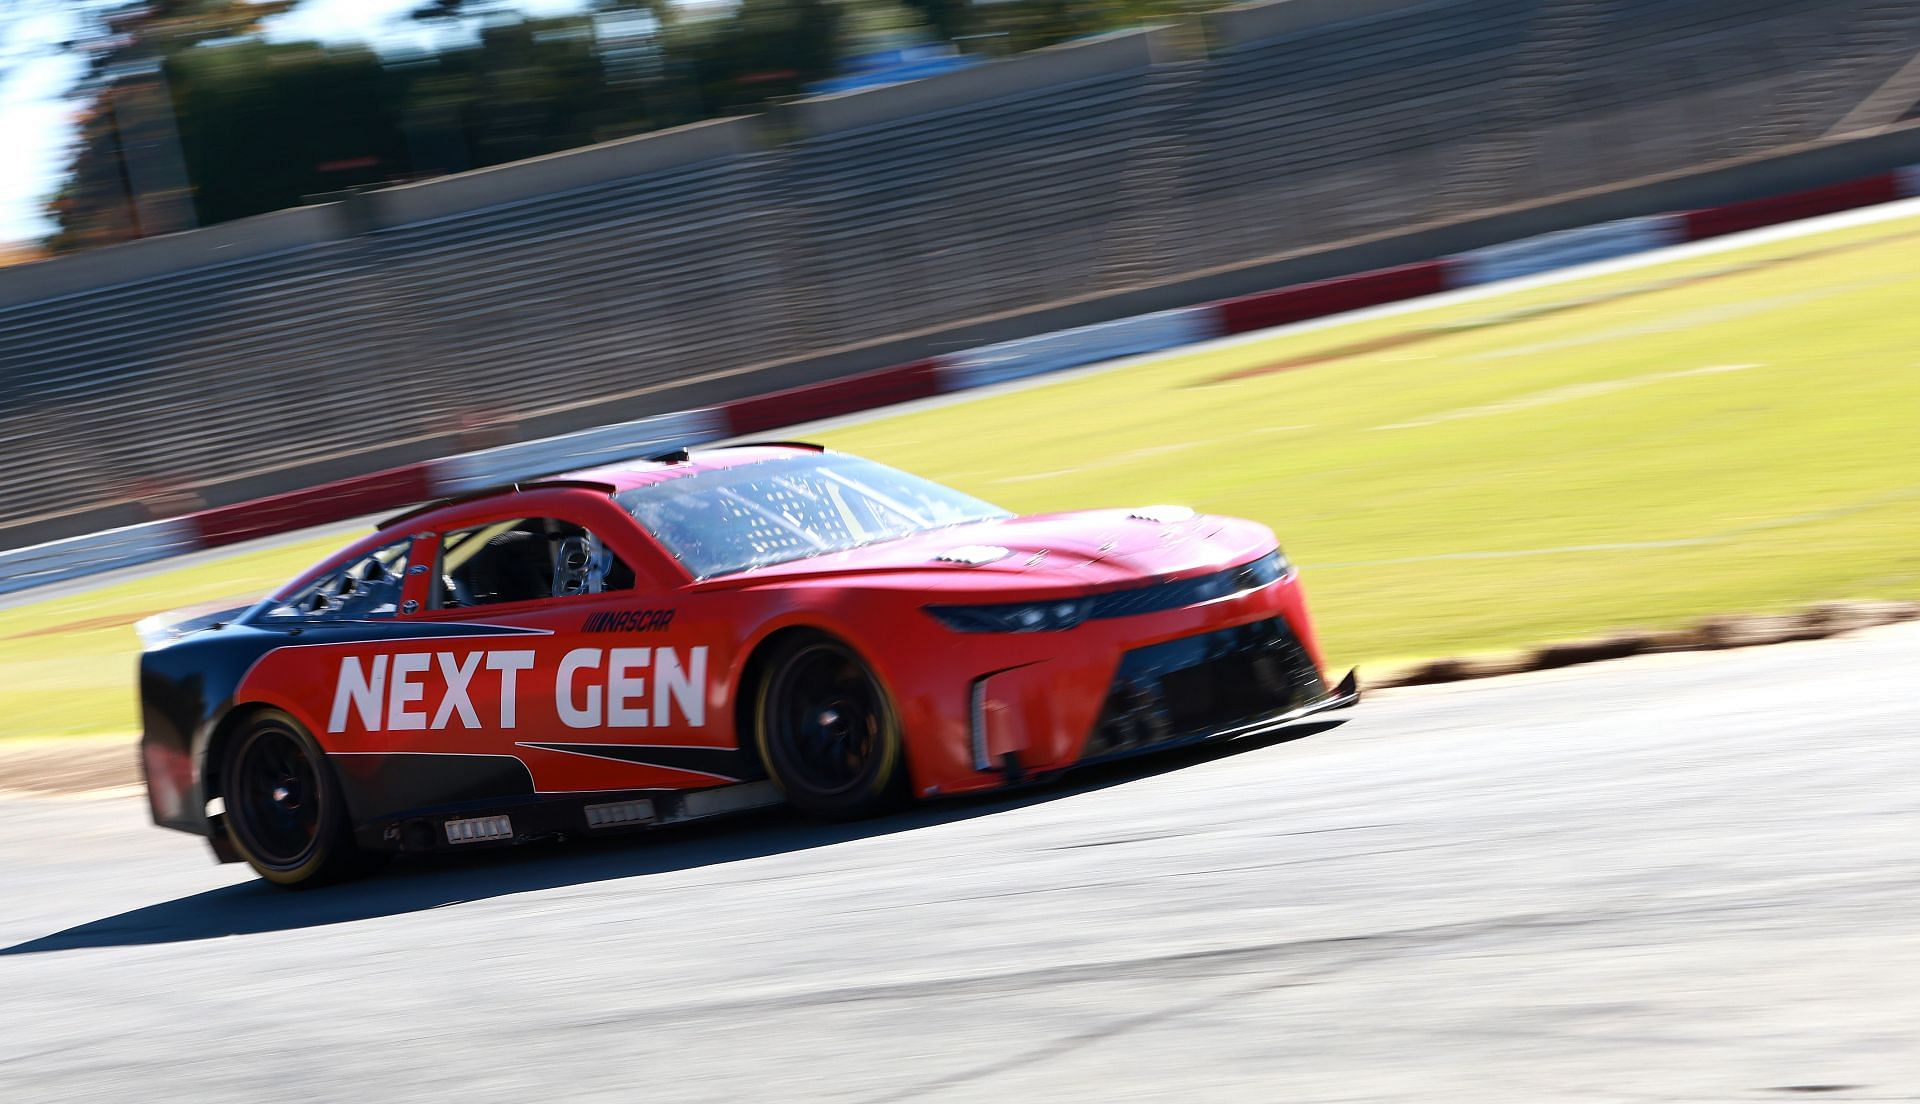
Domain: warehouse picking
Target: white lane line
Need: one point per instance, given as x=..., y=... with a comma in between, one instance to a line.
x=1520, y=553
x=1685, y=320
x=1113, y=461
x=1118, y=459
x=1569, y=393
x=1863, y=216
x=1725, y=536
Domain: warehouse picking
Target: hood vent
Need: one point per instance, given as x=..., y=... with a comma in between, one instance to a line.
x=973, y=555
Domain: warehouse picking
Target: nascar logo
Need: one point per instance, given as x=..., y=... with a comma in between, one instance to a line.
x=592, y=688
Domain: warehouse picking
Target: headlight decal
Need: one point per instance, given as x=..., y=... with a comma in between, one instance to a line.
x=1014, y=617
x=1060, y=614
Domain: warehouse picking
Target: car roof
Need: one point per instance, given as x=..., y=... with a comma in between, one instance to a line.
x=630, y=474
x=624, y=475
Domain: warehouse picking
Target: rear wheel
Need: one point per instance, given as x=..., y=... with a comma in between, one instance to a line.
x=284, y=811
x=827, y=731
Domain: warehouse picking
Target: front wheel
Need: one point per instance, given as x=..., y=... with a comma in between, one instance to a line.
x=828, y=733
x=284, y=811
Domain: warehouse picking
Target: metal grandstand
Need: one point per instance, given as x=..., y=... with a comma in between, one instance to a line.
x=1004, y=195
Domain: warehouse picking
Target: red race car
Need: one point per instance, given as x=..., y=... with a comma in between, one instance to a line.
x=700, y=634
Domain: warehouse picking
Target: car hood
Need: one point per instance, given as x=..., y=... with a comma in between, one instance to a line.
x=1085, y=548
x=165, y=628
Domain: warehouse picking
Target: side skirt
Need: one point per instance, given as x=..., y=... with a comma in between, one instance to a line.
x=470, y=826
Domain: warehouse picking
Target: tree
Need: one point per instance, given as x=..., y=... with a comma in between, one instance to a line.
x=766, y=49
x=871, y=25
x=948, y=18
x=191, y=118
x=128, y=177
x=265, y=125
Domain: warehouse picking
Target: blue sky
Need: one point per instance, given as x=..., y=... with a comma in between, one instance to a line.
x=33, y=120
x=36, y=123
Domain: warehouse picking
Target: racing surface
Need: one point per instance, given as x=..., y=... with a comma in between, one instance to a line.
x=1684, y=878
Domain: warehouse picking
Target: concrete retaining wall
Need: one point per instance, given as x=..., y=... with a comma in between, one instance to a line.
x=95, y=553
x=472, y=471
x=1565, y=248
x=1051, y=352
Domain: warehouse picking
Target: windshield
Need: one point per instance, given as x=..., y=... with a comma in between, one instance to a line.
x=367, y=587
x=773, y=511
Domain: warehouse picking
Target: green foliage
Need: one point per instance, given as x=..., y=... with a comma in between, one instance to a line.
x=948, y=19
x=1015, y=26
x=526, y=89
x=766, y=49
x=129, y=49
x=120, y=33
x=263, y=126
x=881, y=25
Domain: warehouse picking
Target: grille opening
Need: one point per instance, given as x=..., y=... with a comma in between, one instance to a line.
x=1205, y=685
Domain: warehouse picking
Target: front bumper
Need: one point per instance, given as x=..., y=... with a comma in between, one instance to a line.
x=1232, y=682
x=1040, y=703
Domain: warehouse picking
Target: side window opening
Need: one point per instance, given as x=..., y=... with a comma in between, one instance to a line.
x=363, y=589
x=525, y=560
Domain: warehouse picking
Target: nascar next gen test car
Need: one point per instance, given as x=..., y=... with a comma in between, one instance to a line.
x=699, y=634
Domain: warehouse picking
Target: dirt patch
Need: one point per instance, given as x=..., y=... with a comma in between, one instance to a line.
x=128, y=620
x=1712, y=634
x=1530, y=314
x=1328, y=356
x=86, y=624
x=56, y=767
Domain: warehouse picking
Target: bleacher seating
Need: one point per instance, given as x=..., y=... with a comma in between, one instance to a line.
x=1428, y=111
x=200, y=375
x=1354, y=127
x=577, y=297
x=965, y=212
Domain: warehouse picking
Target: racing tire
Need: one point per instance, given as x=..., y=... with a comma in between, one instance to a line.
x=827, y=731
x=285, y=814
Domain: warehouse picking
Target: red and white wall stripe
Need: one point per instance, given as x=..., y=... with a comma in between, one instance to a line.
x=77, y=557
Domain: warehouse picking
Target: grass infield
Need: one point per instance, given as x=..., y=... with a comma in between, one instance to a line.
x=1737, y=431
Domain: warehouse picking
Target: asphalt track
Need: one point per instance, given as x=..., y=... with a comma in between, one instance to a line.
x=1688, y=878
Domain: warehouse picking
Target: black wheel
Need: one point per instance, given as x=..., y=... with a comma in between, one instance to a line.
x=284, y=812
x=827, y=731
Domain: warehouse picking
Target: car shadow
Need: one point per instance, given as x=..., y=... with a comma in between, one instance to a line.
x=414, y=884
